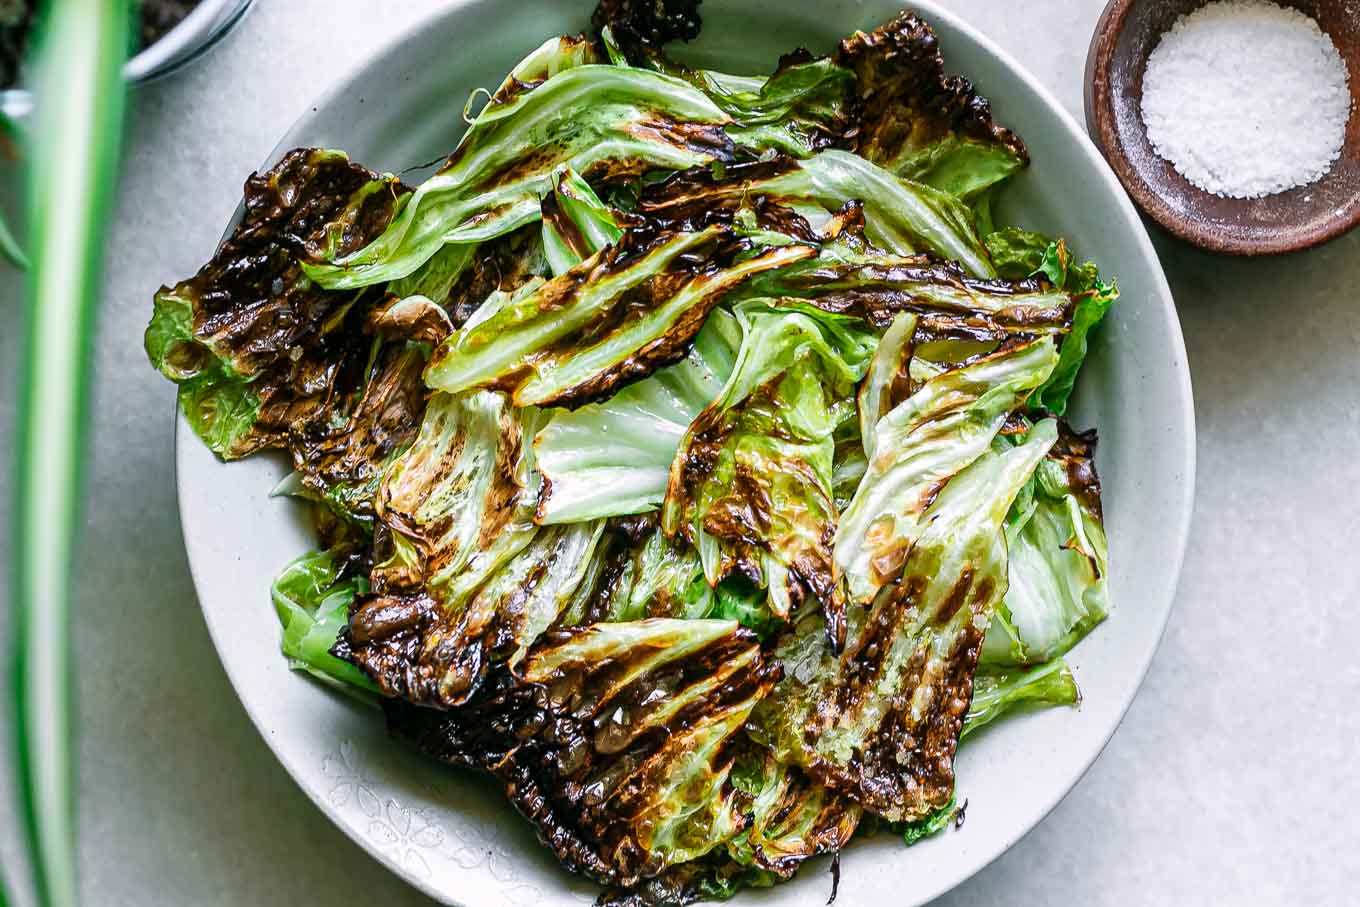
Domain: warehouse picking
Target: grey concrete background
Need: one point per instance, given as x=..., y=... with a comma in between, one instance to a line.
x=1230, y=781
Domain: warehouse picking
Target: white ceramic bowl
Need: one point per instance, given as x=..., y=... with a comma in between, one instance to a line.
x=192, y=37
x=451, y=833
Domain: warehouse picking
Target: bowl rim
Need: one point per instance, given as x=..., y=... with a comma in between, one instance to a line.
x=933, y=12
x=1098, y=98
x=191, y=37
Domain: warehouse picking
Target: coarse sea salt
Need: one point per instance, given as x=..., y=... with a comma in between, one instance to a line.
x=1246, y=98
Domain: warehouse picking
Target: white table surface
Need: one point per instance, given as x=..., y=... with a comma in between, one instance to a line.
x=1230, y=782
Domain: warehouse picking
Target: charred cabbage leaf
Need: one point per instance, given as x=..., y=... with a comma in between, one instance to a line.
x=553, y=56
x=647, y=24
x=1059, y=559
x=255, y=346
x=919, y=446
x=576, y=223
x=948, y=304
x=618, y=316
x=1021, y=253
x=900, y=216
x=997, y=691
x=433, y=648
x=460, y=278
x=312, y=597
x=807, y=103
x=469, y=580
x=920, y=123
x=459, y=488
x=889, y=379
x=604, y=122
x=793, y=818
x=340, y=462
x=750, y=486
x=614, y=457
x=881, y=721
x=637, y=572
x=616, y=740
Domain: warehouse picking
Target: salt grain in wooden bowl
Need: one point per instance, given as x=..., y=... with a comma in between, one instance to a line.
x=1288, y=221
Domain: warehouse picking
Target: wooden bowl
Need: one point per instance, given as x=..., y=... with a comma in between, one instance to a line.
x=1288, y=221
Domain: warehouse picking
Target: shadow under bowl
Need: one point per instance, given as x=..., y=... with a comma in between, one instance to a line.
x=1288, y=221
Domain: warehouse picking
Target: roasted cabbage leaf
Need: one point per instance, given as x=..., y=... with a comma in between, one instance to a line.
x=435, y=648
x=751, y=485
x=459, y=488
x=1022, y=253
x=616, y=740
x=919, y=446
x=920, y=123
x=637, y=572
x=604, y=122
x=1059, y=560
x=807, y=103
x=468, y=579
x=626, y=311
x=948, y=304
x=792, y=817
x=255, y=346
x=553, y=56
x=888, y=382
x=342, y=462
x=576, y=223
x=881, y=721
x=614, y=457
x=461, y=277
x=900, y=216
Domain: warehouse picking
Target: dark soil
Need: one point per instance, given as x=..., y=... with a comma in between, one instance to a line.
x=159, y=16
x=16, y=20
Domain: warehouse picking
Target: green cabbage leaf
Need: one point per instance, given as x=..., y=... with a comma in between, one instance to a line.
x=919, y=446
x=312, y=597
x=881, y=719
x=626, y=311
x=607, y=121
x=617, y=740
x=751, y=484
x=1059, y=560
x=997, y=691
x=1022, y=253
x=614, y=457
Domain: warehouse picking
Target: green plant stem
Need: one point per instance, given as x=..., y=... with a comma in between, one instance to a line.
x=72, y=155
x=9, y=246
